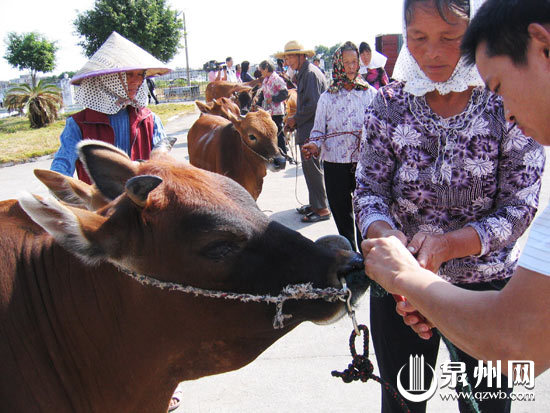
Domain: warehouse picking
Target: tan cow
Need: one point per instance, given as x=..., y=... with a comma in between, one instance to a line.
x=241, y=148
x=80, y=333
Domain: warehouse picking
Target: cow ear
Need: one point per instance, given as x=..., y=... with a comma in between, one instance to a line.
x=235, y=120
x=72, y=228
x=108, y=167
x=139, y=187
x=70, y=190
x=204, y=107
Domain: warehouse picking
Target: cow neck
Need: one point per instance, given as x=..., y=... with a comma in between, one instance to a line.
x=95, y=312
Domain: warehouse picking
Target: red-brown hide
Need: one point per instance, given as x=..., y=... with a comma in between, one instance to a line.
x=78, y=335
x=240, y=148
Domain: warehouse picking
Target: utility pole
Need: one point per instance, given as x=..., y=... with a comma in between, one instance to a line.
x=186, y=53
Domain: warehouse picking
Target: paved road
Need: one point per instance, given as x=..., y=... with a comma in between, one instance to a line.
x=294, y=373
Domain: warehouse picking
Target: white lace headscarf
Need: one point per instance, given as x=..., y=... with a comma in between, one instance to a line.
x=418, y=84
x=109, y=93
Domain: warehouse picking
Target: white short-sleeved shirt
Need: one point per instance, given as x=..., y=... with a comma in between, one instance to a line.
x=536, y=254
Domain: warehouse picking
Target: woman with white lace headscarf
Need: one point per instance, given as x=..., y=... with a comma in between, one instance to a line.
x=442, y=171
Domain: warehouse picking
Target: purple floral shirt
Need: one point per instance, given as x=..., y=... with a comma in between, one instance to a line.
x=420, y=172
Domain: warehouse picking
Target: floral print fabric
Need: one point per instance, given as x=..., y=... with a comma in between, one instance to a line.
x=420, y=172
x=271, y=86
x=340, y=112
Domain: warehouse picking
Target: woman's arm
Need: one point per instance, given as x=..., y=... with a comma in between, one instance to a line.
x=520, y=166
x=375, y=173
x=65, y=158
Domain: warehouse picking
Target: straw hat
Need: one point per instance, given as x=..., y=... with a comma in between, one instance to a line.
x=119, y=54
x=294, y=47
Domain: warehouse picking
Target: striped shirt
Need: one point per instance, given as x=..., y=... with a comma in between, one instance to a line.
x=536, y=253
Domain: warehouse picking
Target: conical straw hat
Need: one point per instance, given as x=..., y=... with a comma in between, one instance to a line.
x=119, y=54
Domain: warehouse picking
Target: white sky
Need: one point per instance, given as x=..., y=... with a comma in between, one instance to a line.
x=246, y=30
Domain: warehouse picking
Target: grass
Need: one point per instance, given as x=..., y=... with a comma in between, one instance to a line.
x=18, y=142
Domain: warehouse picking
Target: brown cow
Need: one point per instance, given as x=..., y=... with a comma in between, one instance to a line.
x=220, y=107
x=79, y=335
x=73, y=192
x=240, y=148
x=220, y=88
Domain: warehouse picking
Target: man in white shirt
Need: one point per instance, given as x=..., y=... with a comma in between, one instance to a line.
x=230, y=75
x=510, y=42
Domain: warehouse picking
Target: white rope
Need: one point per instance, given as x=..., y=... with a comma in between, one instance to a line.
x=290, y=292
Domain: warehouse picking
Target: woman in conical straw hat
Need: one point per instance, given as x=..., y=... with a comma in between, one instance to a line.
x=442, y=172
x=113, y=90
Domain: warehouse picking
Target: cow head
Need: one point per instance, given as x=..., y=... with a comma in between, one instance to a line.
x=220, y=107
x=185, y=225
x=259, y=133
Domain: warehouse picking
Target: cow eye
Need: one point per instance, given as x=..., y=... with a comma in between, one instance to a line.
x=252, y=137
x=220, y=250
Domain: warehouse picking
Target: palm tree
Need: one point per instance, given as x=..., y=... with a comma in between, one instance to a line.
x=41, y=102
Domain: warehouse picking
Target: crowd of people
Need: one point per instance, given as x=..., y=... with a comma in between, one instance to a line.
x=432, y=175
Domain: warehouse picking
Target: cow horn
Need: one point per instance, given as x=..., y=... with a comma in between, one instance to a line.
x=138, y=188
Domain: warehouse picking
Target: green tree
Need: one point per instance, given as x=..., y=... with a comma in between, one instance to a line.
x=325, y=53
x=151, y=24
x=41, y=102
x=30, y=51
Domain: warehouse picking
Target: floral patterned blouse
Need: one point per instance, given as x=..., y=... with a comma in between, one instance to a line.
x=421, y=172
x=271, y=86
x=343, y=111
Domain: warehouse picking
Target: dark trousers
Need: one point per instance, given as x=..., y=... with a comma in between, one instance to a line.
x=340, y=184
x=278, y=119
x=313, y=174
x=394, y=342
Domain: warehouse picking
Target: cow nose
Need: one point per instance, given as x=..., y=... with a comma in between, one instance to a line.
x=279, y=163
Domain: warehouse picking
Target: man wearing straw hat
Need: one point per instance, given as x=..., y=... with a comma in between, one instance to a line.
x=311, y=84
x=114, y=94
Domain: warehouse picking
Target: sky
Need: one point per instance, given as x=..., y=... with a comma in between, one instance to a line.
x=244, y=30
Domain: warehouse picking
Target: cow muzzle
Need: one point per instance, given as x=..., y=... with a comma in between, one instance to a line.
x=277, y=163
x=352, y=270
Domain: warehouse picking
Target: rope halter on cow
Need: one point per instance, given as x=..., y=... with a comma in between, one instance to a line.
x=254, y=152
x=290, y=292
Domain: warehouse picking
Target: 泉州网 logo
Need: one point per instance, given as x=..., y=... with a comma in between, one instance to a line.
x=417, y=391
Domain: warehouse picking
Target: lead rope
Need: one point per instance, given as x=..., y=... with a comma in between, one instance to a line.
x=361, y=368
x=322, y=138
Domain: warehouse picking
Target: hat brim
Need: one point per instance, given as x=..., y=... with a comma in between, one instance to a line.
x=308, y=53
x=149, y=72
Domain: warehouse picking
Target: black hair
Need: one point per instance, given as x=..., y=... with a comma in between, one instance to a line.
x=350, y=46
x=245, y=64
x=460, y=8
x=364, y=47
x=503, y=25
x=227, y=59
x=267, y=65
x=316, y=59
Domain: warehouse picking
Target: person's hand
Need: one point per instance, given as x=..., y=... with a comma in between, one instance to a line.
x=386, y=233
x=309, y=150
x=268, y=101
x=414, y=319
x=387, y=259
x=291, y=123
x=431, y=250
